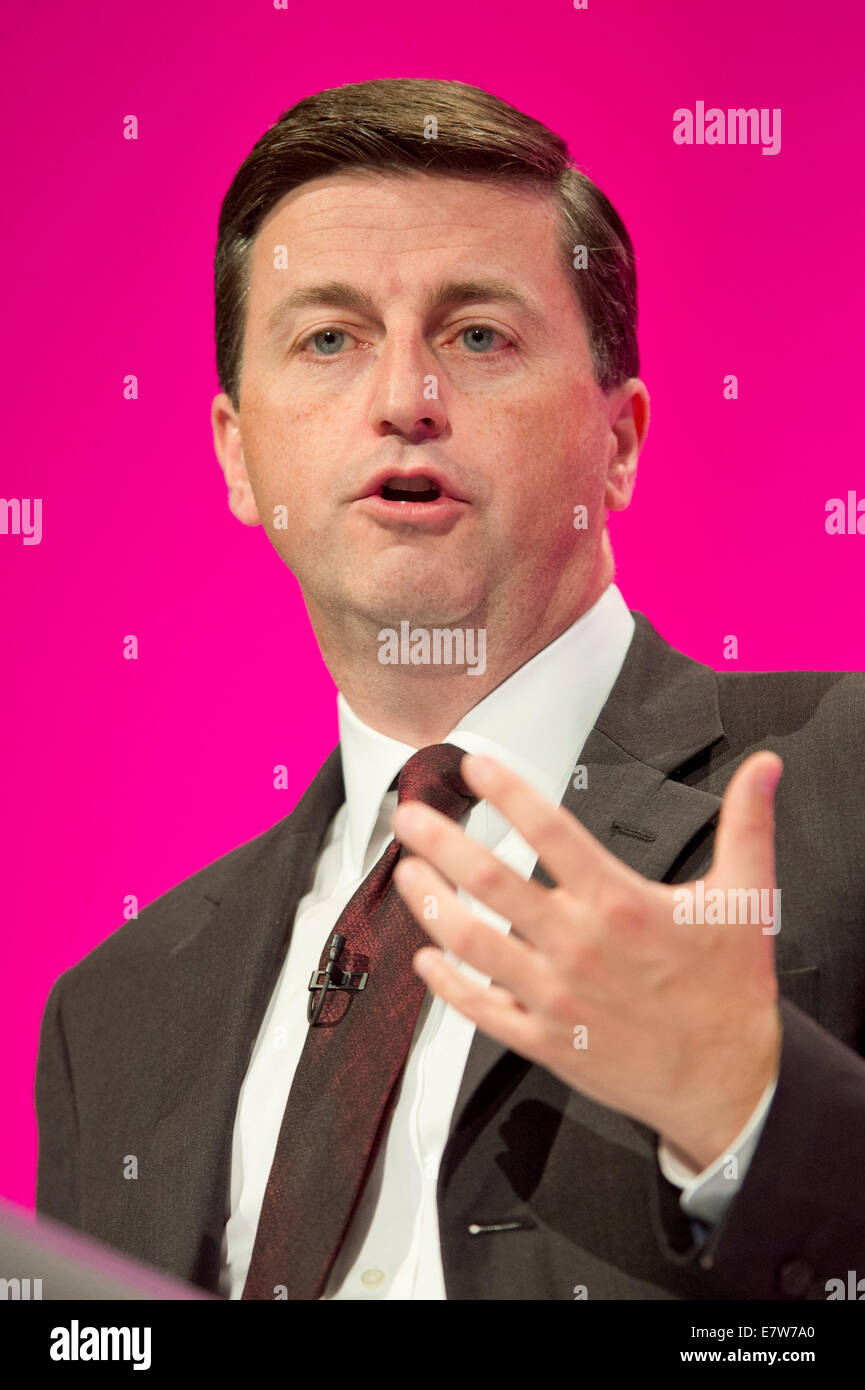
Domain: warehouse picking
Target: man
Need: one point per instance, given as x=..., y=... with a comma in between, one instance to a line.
x=426, y=340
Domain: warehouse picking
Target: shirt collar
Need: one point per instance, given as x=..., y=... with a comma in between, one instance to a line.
x=535, y=722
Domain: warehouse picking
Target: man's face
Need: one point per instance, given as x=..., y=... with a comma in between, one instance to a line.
x=419, y=335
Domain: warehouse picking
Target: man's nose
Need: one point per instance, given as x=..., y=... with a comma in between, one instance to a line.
x=406, y=398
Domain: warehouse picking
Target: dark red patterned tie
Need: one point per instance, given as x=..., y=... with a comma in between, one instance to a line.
x=343, y=1091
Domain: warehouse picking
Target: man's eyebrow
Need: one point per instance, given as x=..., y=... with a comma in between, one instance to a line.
x=451, y=294
x=457, y=292
x=333, y=292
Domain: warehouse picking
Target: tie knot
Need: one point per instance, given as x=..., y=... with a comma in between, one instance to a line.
x=432, y=775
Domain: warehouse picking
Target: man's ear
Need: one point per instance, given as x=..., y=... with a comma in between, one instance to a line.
x=229, y=450
x=629, y=425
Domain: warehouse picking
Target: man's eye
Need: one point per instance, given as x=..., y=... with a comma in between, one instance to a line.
x=327, y=341
x=479, y=339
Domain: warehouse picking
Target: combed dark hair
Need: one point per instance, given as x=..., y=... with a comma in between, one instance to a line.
x=381, y=125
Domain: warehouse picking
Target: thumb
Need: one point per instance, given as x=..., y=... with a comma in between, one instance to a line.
x=745, y=839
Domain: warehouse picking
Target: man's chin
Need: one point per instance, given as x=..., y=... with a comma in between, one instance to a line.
x=417, y=616
x=421, y=594
x=391, y=608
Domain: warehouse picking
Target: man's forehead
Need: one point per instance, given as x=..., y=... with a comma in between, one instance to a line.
x=371, y=198
x=433, y=226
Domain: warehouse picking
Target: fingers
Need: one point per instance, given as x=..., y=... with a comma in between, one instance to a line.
x=572, y=856
x=513, y=964
x=745, y=839
x=493, y=1010
x=473, y=867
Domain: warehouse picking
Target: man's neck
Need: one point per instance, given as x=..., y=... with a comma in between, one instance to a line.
x=419, y=704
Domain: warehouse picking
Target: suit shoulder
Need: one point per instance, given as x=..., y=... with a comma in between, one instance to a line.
x=822, y=703
x=180, y=912
x=177, y=915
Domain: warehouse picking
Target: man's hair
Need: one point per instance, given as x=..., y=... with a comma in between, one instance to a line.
x=387, y=126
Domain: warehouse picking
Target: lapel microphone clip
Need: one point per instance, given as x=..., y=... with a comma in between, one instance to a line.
x=331, y=977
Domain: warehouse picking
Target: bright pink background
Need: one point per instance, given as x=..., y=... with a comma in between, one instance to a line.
x=125, y=777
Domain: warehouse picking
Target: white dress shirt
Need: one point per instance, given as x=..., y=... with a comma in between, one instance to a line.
x=536, y=722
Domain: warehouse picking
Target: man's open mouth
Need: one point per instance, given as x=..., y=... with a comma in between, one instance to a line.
x=419, y=489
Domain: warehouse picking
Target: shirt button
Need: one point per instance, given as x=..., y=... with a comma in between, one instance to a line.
x=430, y=1168
x=371, y=1278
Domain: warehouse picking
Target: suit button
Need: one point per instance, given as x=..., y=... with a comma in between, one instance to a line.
x=794, y=1278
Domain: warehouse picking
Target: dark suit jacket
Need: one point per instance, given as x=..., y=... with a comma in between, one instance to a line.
x=145, y=1043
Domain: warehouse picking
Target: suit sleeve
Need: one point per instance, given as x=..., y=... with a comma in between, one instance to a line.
x=56, y=1176
x=798, y=1219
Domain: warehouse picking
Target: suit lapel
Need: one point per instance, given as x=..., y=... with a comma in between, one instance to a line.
x=218, y=983
x=661, y=713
